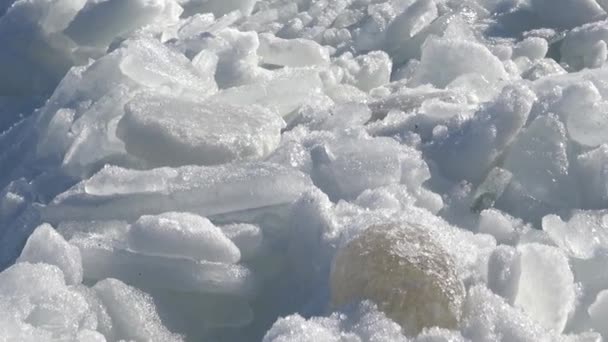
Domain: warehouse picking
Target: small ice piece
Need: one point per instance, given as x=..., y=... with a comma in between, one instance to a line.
x=504, y=271
x=593, y=177
x=533, y=47
x=133, y=313
x=584, y=233
x=412, y=20
x=465, y=57
x=47, y=246
x=367, y=71
x=567, y=14
x=546, y=285
x=181, y=235
x=543, y=68
x=291, y=52
x=497, y=224
x=343, y=170
x=598, y=311
x=585, y=113
x=152, y=64
x=119, y=17
x=116, y=193
x=405, y=271
x=165, y=130
x=491, y=188
x=247, y=237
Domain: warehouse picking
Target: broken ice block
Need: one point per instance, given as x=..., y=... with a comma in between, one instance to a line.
x=118, y=193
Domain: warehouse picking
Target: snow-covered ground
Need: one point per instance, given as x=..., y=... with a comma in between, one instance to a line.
x=304, y=170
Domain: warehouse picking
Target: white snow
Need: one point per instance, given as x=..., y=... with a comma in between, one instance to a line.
x=217, y=170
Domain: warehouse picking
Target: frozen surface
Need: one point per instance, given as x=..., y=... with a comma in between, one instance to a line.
x=209, y=170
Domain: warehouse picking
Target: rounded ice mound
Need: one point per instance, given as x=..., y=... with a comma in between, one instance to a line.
x=405, y=271
x=182, y=235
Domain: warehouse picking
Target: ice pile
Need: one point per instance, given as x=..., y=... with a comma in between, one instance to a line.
x=213, y=169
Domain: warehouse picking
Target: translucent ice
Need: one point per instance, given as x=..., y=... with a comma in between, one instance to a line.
x=181, y=235
x=118, y=193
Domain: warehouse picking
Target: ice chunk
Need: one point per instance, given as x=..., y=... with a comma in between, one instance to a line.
x=533, y=47
x=181, y=235
x=465, y=57
x=504, y=271
x=495, y=223
x=546, y=285
x=103, y=258
x=247, y=237
x=118, y=17
x=539, y=162
x=598, y=311
x=491, y=188
x=291, y=52
x=118, y=193
x=403, y=270
x=344, y=170
x=585, y=113
x=581, y=235
x=487, y=317
x=567, y=13
x=47, y=246
x=367, y=71
x=171, y=131
x=412, y=20
x=542, y=68
x=133, y=313
x=152, y=64
x=469, y=152
x=284, y=92
x=593, y=177
x=37, y=304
